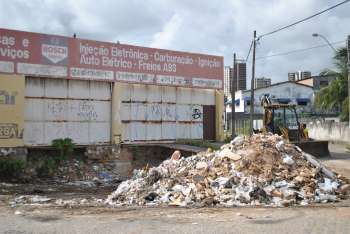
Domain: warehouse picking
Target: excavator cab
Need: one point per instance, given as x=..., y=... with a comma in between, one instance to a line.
x=282, y=119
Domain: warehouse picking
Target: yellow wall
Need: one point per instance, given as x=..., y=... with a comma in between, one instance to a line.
x=11, y=110
x=116, y=110
x=219, y=115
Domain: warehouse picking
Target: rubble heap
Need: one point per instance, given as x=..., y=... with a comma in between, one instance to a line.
x=262, y=170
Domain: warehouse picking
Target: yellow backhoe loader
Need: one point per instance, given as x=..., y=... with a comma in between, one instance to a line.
x=282, y=119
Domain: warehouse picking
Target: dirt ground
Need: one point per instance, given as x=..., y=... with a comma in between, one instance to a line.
x=323, y=218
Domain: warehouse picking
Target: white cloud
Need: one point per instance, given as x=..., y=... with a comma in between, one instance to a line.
x=168, y=35
x=204, y=26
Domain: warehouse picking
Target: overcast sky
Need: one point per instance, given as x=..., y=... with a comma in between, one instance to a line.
x=205, y=26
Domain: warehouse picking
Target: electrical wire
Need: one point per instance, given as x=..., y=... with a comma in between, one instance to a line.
x=302, y=20
x=299, y=50
x=250, y=49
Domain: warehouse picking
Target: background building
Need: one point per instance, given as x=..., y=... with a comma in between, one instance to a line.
x=284, y=93
x=241, y=80
x=227, y=81
x=261, y=82
x=318, y=82
x=299, y=75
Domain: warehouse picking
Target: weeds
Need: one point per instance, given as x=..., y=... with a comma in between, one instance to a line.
x=11, y=168
x=65, y=147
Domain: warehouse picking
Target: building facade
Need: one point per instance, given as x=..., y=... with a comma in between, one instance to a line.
x=284, y=93
x=104, y=93
x=318, y=82
x=227, y=81
x=299, y=75
x=241, y=77
x=261, y=82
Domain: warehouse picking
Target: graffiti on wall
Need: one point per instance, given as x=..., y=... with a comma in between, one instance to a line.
x=55, y=107
x=87, y=111
x=10, y=131
x=83, y=110
x=11, y=110
x=197, y=114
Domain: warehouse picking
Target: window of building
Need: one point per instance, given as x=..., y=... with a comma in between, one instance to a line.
x=303, y=101
x=323, y=83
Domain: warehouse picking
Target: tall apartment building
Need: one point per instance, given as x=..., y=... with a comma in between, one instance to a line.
x=227, y=80
x=261, y=82
x=241, y=75
x=299, y=75
x=241, y=80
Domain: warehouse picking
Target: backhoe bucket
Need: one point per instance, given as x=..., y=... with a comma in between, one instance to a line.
x=315, y=148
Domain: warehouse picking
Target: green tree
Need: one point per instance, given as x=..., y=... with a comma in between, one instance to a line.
x=335, y=95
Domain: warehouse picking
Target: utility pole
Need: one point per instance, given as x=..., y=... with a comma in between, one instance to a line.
x=233, y=98
x=348, y=45
x=252, y=87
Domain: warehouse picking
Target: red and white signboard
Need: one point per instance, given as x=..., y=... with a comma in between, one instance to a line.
x=57, y=56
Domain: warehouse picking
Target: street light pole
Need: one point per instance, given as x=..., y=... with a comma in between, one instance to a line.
x=324, y=38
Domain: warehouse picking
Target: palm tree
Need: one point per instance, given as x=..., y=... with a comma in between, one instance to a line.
x=335, y=95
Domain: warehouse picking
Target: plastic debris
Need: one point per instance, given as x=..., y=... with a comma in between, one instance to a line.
x=261, y=170
x=176, y=155
x=288, y=160
x=17, y=212
x=328, y=185
x=239, y=140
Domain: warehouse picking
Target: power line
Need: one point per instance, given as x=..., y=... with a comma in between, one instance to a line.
x=250, y=49
x=302, y=20
x=299, y=50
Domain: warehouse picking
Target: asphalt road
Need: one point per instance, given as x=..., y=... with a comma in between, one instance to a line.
x=174, y=220
x=328, y=218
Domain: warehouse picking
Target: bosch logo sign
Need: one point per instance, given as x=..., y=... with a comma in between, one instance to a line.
x=54, y=53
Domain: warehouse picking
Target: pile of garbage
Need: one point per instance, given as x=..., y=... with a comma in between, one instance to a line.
x=74, y=170
x=90, y=172
x=263, y=170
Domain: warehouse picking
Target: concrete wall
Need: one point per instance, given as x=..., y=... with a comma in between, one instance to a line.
x=11, y=110
x=219, y=116
x=58, y=108
x=34, y=111
x=117, y=127
x=327, y=130
x=150, y=112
